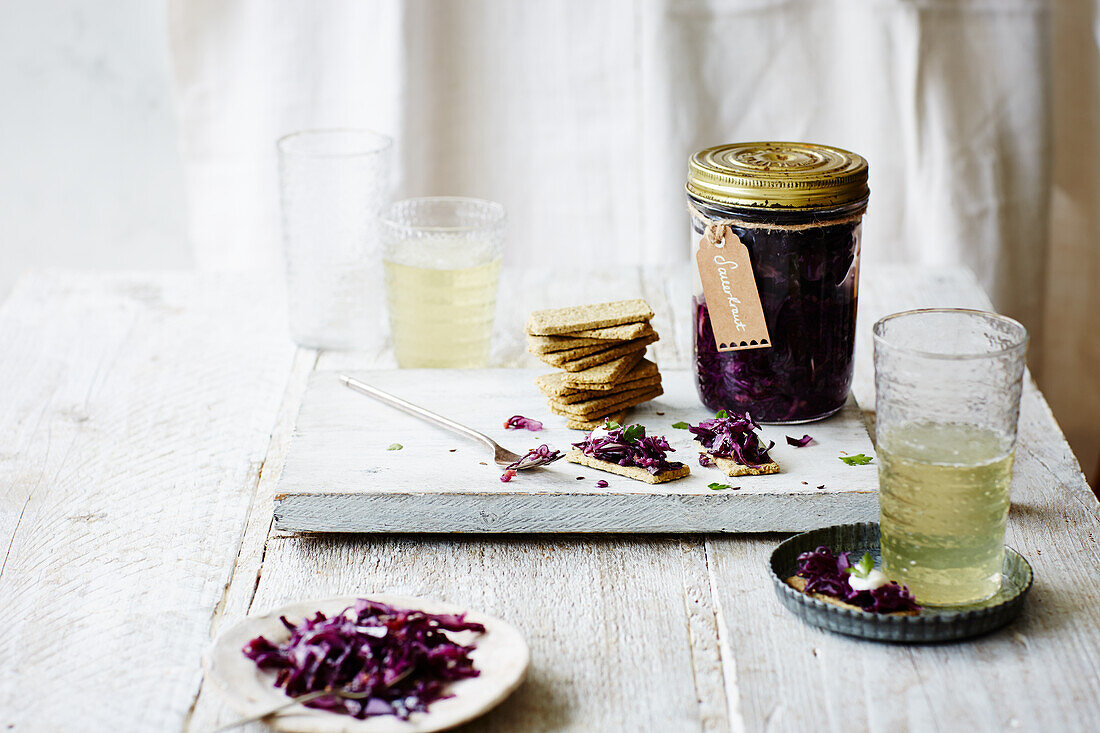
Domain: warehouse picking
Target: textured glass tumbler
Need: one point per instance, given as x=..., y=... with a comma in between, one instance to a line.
x=442, y=259
x=334, y=184
x=947, y=385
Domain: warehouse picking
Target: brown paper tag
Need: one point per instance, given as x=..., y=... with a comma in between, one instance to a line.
x=730, y=291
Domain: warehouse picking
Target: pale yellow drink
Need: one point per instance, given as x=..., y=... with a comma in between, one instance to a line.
x=442, y=317
x=944, y=498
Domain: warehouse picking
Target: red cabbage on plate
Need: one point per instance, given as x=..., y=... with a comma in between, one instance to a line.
x=377, y=659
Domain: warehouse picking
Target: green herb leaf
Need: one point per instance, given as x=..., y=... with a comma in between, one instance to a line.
x=717, y=486
x=721, y=413
x=611, y=425
x=857, y=460
x=395, y=446
x=632, y=432
x=681, y=425
x=864, y=567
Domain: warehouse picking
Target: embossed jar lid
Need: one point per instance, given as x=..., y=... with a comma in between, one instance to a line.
x=778, y=175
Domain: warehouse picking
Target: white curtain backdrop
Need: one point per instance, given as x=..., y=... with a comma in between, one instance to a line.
x=579, y=116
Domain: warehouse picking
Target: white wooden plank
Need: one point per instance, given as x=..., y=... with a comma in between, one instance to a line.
x=340, y=475
x=136, y=412
x=1041, y=673
x=208, y=712
x=621, y=630
x=732, y=512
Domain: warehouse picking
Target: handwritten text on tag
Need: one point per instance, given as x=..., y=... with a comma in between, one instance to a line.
x=730, y=291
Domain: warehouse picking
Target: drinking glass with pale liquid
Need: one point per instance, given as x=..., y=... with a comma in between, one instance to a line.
x=441, y=257
x=948, y=385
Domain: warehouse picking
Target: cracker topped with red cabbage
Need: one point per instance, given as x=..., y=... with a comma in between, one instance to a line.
x=626, y=450
x=730, y=443
x=833, y=578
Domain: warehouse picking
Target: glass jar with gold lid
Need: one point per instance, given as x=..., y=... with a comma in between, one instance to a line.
x=777, y=233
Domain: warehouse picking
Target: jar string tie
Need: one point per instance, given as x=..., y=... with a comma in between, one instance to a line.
x=714, y=229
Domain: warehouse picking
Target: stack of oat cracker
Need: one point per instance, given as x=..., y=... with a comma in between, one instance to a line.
x=601, y=349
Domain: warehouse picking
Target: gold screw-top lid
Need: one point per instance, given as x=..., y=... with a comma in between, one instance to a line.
x=777, y=175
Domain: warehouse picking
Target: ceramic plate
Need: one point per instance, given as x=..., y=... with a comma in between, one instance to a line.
x=932, y=624
x=501, y=655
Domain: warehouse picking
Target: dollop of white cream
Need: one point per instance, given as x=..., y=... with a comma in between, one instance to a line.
x=598, y=433
x=875, y=579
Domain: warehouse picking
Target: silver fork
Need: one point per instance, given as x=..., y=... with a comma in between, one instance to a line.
x=502, y=456
x=300, y=700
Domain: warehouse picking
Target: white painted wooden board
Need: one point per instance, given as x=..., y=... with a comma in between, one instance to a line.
x=341, y=477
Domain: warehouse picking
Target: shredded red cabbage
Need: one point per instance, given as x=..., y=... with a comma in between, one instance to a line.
x=828, y=574
x=733, y=437
x=601, y=484
x=519, y=422
x=540, y=456
x=628, y=446
x=799, y=442
x=400, y=658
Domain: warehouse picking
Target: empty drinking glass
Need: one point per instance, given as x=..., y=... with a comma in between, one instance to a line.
x=947, y=385
x=442, y=259
x=334, y=184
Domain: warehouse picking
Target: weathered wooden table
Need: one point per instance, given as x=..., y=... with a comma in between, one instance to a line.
x=144, y=420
